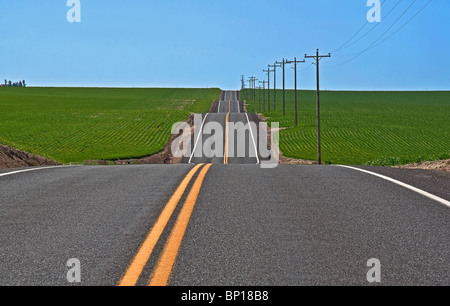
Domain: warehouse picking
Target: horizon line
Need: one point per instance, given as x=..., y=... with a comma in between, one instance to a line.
x=280, y=89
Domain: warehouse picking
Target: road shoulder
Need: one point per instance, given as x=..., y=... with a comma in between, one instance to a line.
x=432, y=181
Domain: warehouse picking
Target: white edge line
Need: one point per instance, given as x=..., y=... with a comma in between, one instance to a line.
x=420, y=191
x=239, y=108
x=218, y=109
x=33, y=169
x=198, y=137
x=253, y=138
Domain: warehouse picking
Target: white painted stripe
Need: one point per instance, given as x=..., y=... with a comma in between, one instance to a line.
x=218, y=109
x=420, y=191
x=198, y=137
x=32, y=169
x=254, y=143
x=239, y=109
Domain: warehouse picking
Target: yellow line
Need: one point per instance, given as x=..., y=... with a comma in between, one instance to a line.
x=225, y=153
x=161, y=274
x=134, y=271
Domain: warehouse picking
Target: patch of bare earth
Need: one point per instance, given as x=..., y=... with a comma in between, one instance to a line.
x=442, y=165
x=14, y=158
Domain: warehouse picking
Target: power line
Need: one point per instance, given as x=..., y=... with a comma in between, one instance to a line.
x=374, y=27
x=420, y=11
x=384, y=33
x=304, y=69
x=357, y=32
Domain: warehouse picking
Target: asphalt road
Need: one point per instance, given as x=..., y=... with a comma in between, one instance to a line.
x=222, y=224
x=228, y=134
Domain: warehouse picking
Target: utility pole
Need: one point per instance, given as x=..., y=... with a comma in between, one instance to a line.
x=250, y=86
x=264, y=94
x=295, y=62
x=268, y=85
x=283, y=64
x=254, y=88
x=259, y=98
x=252, y=81
x=317, y=58
x=243, y=86
x=275, y=66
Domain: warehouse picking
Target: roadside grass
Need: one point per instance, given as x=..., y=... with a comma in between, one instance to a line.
x=79, y=124
x=364, y=128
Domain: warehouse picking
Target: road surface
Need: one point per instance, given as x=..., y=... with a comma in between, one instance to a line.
x=239, y=146
x=211, y=223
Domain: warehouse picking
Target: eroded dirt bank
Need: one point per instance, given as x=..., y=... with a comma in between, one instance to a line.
x=14, y=158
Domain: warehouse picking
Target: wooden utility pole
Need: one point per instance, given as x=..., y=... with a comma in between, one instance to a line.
x=259, y=98
x=317, y=58
x=268, y=85
x=275, y=66
x=252, y=86
x=283, y=64
x=264, y=95
x=295, y=62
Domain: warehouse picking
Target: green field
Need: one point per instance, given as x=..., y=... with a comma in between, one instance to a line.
x=368, y=128
x=78, y=124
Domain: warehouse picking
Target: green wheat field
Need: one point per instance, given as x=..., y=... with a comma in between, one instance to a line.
x=79, y=124
x=363, y=128
x=359, y=128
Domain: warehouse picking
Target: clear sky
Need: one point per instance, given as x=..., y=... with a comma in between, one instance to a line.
x=210, y=43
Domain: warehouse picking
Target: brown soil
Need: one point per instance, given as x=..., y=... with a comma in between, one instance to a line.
x=442, y=165
x=13, y=158
x=245, y=106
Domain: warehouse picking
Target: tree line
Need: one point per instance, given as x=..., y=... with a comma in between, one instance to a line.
x=13, y=84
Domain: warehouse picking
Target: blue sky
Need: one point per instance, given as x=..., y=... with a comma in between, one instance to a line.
x=205, y=43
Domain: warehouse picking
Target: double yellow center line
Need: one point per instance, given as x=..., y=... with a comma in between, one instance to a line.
x=163, y=269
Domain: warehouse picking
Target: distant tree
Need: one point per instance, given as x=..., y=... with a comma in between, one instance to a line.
x=20, y=84
x=9, y=83
x=6, y=82
x=23, y=83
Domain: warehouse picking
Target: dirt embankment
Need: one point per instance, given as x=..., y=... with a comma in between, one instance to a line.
x=442, y=165
x=13, y=158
